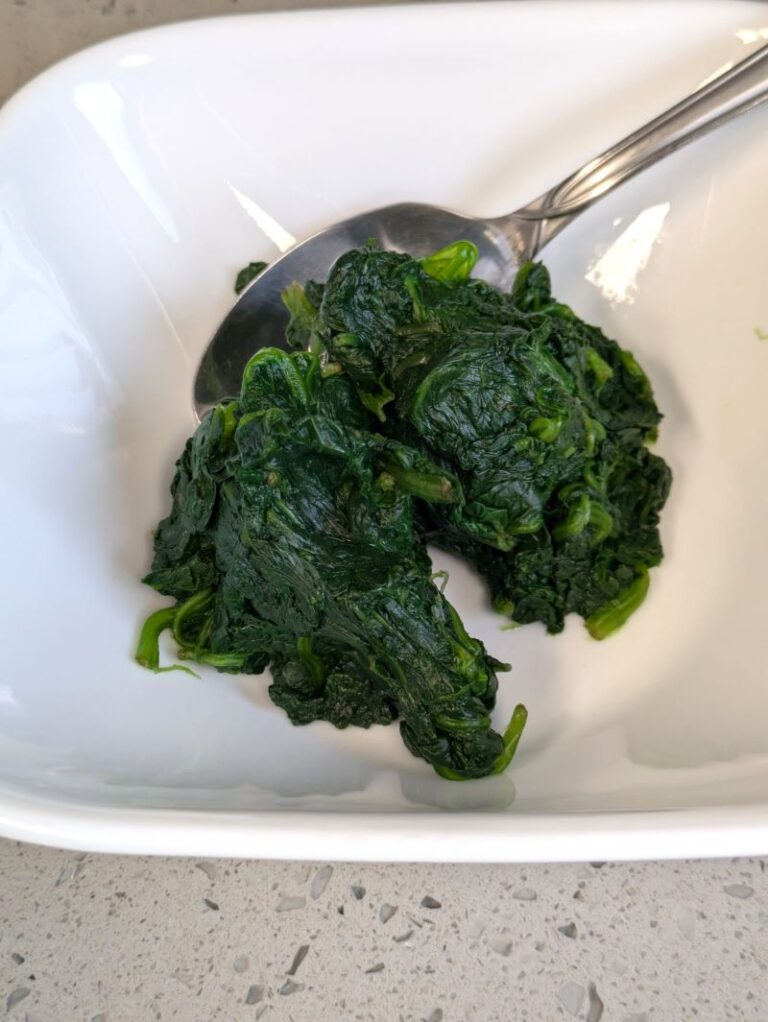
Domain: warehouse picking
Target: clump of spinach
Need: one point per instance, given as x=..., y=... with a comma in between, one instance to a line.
x=543, y=420
x=291, y=543
x=429, y=407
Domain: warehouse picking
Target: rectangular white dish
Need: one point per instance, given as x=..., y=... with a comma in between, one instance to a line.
x=135, y=178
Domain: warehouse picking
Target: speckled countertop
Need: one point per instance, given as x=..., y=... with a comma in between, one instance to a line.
x=111, y=939
x=87, y=938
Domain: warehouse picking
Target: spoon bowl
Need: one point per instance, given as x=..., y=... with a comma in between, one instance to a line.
x=258, y=319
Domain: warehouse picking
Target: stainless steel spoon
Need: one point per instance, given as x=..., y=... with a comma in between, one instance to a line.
x=258, y=318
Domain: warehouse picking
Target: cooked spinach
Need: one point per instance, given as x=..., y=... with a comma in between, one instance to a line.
x=291, y=542
x=422, y=405
x=247, y=274
x=543, y=420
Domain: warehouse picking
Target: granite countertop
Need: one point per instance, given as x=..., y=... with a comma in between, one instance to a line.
x=96, y=938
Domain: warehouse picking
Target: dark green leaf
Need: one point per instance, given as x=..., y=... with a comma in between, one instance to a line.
x=247, y=274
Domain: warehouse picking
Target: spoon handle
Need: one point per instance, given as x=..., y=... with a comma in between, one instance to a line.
x=736, y=89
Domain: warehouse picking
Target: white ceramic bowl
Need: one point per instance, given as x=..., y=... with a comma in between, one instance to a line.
x=135, y=178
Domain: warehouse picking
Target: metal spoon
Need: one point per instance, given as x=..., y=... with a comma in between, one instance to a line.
x=258, y=318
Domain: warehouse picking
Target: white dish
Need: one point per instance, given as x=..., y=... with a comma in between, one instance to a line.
x=135, y=178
